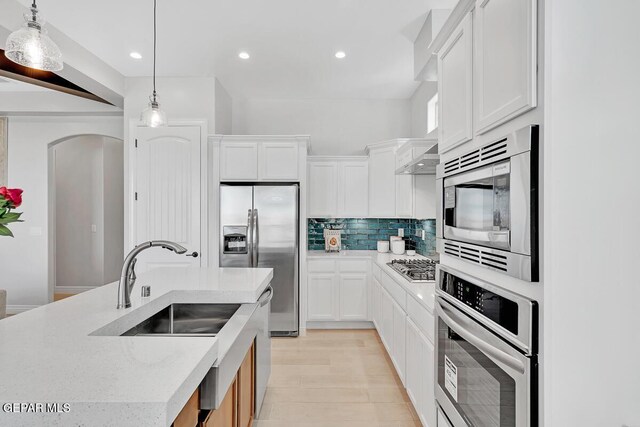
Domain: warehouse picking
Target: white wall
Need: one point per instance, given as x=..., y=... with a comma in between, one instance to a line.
x=592, y=200
x=113, y=161
x=223, y=110
x=24, y=259
x=337, y=127
x=419, y=101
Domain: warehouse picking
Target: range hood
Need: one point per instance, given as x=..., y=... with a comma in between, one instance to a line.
x=424, y=164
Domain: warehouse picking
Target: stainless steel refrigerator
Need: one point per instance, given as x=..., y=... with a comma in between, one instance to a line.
x=259, y=228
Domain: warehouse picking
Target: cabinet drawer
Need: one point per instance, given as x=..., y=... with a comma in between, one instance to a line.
x=321, y=266
x=395, y=290
x=354, y=266
x=421, y=317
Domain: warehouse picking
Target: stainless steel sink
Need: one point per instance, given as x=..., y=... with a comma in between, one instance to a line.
x=186, y=320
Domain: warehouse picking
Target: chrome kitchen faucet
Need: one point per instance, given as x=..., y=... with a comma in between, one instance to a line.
x=128, y=276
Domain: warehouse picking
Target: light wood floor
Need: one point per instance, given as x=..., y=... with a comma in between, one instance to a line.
x=334, y=379
x=58, y=297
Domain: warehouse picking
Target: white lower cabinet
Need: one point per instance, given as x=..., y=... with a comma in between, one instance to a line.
x=407, y=337
x=420, y=374
x=322, y=296
x=353, y=296
x=338, y=290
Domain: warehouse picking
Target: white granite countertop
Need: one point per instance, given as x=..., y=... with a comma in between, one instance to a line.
x=423, y=293
x=71, y=352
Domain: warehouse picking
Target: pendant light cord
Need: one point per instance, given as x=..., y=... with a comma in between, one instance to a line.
x=154, y=48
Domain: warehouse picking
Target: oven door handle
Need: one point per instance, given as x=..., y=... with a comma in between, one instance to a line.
x=449, y=317
x=494, y=238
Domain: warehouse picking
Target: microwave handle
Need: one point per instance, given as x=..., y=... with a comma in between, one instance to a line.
x=496, y=238
x=449, y=317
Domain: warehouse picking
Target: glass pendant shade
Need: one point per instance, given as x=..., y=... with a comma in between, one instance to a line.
x=31, y=47
x=153, y=116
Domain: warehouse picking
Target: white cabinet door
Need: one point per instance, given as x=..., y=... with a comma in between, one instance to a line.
x=322, y=297
x=398, y=355
x=455, y=67
x=414, y=366
x=353, y=189
x=278, y=161
x=404, y=196
x=238, y=161
x=323, y=183
x=353, y=296
x=505, y=60
x=382, y=182
x=376, y=305
x=167, y=181
x=387, y=321
x=427, y=405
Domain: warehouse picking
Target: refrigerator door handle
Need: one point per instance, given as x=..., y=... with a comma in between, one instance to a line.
x=250, y=237
x=256, y=238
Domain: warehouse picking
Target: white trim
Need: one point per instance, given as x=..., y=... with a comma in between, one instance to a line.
x=341, y=325
x=20, y=308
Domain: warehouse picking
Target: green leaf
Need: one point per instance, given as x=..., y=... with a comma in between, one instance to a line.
x=10, y=217
x=4, y=231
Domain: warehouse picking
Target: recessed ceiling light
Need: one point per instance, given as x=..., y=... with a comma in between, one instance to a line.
x=340, y=54
x=135, y=55
x=420, y=164
x=244, y=55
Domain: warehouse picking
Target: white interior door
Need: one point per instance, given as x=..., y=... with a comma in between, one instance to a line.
x=168, y=194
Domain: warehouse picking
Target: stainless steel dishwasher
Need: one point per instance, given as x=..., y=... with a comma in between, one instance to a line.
x=250, y=322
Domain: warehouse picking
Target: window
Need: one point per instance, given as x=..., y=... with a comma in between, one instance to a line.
x=432, y=114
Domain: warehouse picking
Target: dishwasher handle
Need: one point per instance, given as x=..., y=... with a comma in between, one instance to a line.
x=266, y=296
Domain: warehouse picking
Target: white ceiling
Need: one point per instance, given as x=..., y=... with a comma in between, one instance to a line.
x=291, y=42
x=10, y=85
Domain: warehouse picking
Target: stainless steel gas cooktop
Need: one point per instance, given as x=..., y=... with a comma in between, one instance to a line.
x=415, y=270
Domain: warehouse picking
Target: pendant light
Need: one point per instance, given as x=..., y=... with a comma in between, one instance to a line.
x=31, y=46
x=153, y=116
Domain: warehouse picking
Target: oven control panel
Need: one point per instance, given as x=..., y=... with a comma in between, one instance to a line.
x=495, y=307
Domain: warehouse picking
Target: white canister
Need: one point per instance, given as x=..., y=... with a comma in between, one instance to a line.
x=383, y=246
x=397, y=247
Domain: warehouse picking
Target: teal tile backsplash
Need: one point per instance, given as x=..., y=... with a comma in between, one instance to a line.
x=363, y=234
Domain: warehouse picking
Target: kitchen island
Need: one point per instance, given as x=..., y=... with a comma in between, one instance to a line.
x=65, y=363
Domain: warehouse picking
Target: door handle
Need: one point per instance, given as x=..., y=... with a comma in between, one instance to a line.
x=449, y=318
x=256, y=238
x=194, y=254
x=250, y=236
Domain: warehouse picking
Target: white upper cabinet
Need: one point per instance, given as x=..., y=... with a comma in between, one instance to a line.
x=382, y=182
x=404, y=196
x=238, y=161
x=353, y=188
x=262, y=158
x=278, y=161
x=323, y=185
x=455, y=79
x=505, y=60
x=338, y=187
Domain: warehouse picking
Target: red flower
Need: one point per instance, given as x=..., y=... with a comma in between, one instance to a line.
x=13, y=195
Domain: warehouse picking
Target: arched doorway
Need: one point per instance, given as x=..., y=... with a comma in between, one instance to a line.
x=86, y=210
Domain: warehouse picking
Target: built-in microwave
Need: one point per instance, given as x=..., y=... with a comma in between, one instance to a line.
x=488, y=205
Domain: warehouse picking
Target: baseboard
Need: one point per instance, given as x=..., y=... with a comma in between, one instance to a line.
x=340, y=325
x=18, y=308
x=72, y=289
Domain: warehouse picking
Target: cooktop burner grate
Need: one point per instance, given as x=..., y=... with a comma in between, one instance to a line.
x=415, y=270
